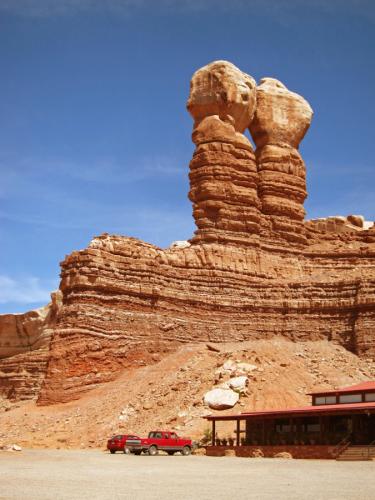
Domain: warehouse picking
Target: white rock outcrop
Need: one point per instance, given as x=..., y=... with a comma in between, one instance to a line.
x=180, y=244
x=239, y=384
x=221, y=399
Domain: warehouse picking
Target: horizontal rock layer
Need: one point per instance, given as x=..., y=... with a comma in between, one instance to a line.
x=24, y=345
x=253, y=270
x=125, y=300
x=21, y=376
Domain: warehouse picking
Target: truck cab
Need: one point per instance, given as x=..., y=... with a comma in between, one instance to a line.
x=167, y=441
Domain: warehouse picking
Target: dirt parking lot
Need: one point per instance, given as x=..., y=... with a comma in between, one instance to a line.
x=59, y=474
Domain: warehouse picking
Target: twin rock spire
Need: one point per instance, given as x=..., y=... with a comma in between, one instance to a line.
x=237, y=194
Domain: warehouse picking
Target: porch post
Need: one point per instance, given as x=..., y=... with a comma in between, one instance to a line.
x=292, y=431
x=264, y=432
x=320, y=430
x=213, y=432
x=298, y=430
x=238, y=425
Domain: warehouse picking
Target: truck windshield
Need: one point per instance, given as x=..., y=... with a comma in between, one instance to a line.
x=155, y=435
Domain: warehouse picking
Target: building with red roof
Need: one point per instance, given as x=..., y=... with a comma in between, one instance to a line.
x=336, y=420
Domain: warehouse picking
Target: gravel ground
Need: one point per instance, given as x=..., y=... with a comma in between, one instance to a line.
x=63, y=474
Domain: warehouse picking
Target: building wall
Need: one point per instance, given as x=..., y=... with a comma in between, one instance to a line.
x=297, y=451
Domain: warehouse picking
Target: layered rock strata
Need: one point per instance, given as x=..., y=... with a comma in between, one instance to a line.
x=125, y=300
x=253, y=270
x=223, y=173
x=280, y=122
x=339, y=224
x=24, y=349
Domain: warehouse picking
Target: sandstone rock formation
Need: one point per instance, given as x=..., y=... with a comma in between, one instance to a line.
x=21, y=333
x=280, y=123
x=24, y=346
x=338, y=224
x=253, y=270
x=223, y=172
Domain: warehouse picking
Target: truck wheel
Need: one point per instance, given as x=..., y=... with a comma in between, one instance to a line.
x=152, y=451
x=112, y=451
x=126, y=450
x=186, y=450
x=138, y=452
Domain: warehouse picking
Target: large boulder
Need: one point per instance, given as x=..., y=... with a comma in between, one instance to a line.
x=221, y=399
x=239, y=384
x=356, y=220
x=221, y=89
x=282, y=117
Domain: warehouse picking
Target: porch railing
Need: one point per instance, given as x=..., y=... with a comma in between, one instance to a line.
x=341, y=446
x=370, y=448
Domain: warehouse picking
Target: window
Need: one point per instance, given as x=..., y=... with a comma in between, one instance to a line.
x=155, y=435
x=311, y=425
x=370, y=396
x=283, y=426
x=350, y=398
x=325, y=400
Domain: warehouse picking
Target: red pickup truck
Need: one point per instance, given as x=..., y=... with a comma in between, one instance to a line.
x=160, y=440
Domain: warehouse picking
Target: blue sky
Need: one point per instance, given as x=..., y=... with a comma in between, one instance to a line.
x=95, y=136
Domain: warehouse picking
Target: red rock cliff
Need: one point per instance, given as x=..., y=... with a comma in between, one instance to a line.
x=253, y=270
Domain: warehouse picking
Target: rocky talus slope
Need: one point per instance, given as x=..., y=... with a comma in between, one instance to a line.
x=253, y=270
x=169, y=393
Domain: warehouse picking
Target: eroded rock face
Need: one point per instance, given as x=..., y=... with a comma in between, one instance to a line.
x=24, y=344
x=223, y=172
x=21, y=333
x=253, y=270
x=282, y=117
x=337, y=224
x=280, y=122
x=221, y=89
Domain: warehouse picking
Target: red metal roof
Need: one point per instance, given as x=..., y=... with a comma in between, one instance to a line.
x=363, y=386
x=302, y=411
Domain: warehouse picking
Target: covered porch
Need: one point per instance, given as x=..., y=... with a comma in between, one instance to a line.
x=306, y=433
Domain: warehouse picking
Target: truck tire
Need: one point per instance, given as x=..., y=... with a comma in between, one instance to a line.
x=138, y=452
x=112, y=451
x=152, y=451
x=186, y=450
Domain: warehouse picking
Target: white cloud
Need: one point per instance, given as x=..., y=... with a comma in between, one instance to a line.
x=27, y=290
